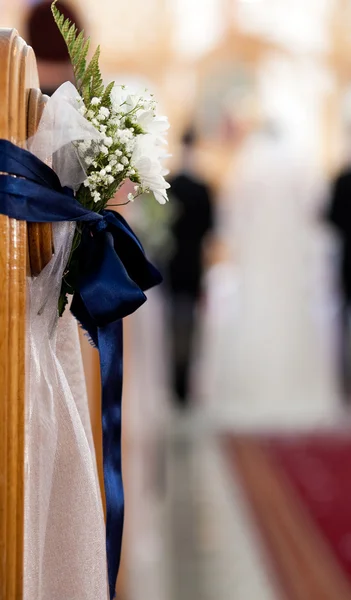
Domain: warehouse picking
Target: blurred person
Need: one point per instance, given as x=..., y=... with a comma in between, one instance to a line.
x=339, y=215
x=270, y=359
x=54, y=65
x=192, y=221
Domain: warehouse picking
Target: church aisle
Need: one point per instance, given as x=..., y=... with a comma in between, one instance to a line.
x=299, y=488
x=204, y=544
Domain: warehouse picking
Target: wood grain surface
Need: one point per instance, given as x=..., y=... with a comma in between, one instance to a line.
x=40, y=244
x=18, y=75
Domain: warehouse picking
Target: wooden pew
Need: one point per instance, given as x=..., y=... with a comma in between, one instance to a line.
x=22, y=250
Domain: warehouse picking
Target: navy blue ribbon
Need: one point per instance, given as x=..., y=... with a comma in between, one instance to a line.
x=113, y=275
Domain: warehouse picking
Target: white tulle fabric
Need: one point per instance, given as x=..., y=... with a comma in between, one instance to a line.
x=65, y=554
x=60, y=125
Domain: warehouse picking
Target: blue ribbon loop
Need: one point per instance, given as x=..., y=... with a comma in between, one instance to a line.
x=113, y=275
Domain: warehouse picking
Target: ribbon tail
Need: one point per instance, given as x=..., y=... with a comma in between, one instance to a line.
x=110, y=342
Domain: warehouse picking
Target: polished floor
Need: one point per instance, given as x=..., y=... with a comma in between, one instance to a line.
x=204, y=544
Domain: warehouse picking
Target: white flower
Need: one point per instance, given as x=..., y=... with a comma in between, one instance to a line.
x=146, y=160
x=96, y=196
x=156, y=126
x=96, y=101
x=131, y=197
x=125, y=101
x=104, y=113
x=108, y=141
x=132, y=102
x=118, y=97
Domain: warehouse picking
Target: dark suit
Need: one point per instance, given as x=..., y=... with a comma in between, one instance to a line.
x=193, y=220
x=339, y=215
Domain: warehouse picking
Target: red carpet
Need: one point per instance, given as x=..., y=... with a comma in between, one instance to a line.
x=300, y=492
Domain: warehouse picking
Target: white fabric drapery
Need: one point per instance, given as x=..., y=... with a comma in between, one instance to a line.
x=65, y=550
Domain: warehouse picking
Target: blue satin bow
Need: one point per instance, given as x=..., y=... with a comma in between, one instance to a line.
x=113, y=275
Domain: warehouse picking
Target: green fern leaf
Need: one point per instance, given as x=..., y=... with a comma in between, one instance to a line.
x=71, y=38
x=77, y=45
x=92, y=83
x=94, y=63
x=106, y=98
x=82, y=62
x=79, y=52
x=88, y=78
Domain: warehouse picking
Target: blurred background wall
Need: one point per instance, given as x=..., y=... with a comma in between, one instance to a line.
x=296, y=58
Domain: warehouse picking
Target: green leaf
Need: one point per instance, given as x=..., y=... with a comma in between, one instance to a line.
x=106, y=98
x=88, y=79
x=92, y=83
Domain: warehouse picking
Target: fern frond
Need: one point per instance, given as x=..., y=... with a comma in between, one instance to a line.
x=79, y=52
x=106, y=98
x=77, y=45
x=92, y=84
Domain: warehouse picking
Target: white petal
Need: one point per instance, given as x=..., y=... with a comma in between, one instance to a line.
x=161, y=197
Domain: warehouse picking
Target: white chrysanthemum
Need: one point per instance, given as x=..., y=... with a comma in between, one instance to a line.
x=146, y=160
x=156, y=126
x=118, y=97
x=132, y=102
x=123, y=100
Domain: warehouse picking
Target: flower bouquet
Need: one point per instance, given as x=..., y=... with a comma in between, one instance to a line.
x=129, y=143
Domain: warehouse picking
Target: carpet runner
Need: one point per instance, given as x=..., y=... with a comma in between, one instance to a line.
x=299, y=488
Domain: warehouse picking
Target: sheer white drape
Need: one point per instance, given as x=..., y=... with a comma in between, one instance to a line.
x=65, y=552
